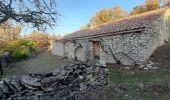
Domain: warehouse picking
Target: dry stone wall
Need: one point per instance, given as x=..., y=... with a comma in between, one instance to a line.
x=57, y=48
x=72, y=46
x=65, y=83
x=167, y=25
x=129, y=46
x=133, y=48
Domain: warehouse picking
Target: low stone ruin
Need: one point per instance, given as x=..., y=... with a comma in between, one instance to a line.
x=64, y=83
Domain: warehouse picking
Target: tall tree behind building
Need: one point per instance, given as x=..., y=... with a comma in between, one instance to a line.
x=167, y=2
x=149, y=5
x=138, y=10
x=152, y=5
x=16, y=31
x=41, y=38
x=107, y=15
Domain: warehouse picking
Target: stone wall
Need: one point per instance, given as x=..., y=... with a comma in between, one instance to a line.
x=76, y=50
x=70, y=49
x=129, y=48
x=57, y=48
x=167, y=23
x=134, y=48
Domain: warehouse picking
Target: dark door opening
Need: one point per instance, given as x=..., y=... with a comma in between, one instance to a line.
x=96, y=49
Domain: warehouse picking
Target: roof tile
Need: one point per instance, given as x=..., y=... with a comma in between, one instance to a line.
x=128, y=23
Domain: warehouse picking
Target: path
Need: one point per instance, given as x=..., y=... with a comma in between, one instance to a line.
x=43, y=62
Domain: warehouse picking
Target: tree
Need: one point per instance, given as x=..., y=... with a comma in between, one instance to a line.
x=8, y=33
x=107, y=15
x=39, y=13
x=148, y=6
x=16, y=31
x=41, y=38
x=138, y=10
x=118, y=12
x=152, y=5
x=167, y=2
x=38, y=35
x=54, y=37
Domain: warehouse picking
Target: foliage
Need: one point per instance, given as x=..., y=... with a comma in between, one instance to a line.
x=8, y=33
x=107, y=15
x=35, y=34
x=54, y=37
x=16, y=30
x=167, y=2
x=148, y=6
x=138, y=10
x=21, y=49
x=39, y=13
x=40, y=38
x=152, y=5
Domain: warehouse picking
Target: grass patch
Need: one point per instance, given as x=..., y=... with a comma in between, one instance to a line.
x=9, y=71
x=147, y=85
x=139, y=77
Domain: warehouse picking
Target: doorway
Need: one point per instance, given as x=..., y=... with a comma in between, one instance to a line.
x=96, y=50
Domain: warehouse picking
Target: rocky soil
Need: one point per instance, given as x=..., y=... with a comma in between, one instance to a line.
x=65, y=83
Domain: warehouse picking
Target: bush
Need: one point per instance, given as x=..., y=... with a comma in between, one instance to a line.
x=42, y=43
x=21, y=49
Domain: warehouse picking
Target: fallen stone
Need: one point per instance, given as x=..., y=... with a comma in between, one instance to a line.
x=64, y=83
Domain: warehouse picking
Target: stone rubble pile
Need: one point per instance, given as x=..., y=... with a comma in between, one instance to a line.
x=64, y=83
x=149, y=66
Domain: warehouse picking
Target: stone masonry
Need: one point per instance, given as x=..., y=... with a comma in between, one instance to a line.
x=129, y=41
x=64, y=83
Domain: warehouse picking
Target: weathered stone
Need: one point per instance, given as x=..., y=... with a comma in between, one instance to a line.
x=2, y=95
x=8, y=82
x=63, y=84
x=31, y=82
x=74, y=93
x=17, y=84
x=89, y=70
x=83, y=86
x=78, y=71
x=50, y=80
x=130, y=40
x=5, y=88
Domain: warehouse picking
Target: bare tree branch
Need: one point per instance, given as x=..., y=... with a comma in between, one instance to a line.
x=38, y=13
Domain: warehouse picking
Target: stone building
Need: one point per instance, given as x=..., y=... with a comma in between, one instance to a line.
x=128, y=41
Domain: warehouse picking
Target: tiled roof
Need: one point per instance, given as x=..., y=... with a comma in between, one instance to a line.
x=124, y=24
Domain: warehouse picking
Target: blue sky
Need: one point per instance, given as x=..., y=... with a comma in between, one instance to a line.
x=77, y=13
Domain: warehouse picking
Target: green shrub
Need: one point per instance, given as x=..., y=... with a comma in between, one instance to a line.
x=21, y=49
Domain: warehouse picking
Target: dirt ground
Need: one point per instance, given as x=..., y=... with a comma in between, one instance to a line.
x=44, y=62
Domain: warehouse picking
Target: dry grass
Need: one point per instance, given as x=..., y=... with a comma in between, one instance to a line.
x=42, y=63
